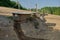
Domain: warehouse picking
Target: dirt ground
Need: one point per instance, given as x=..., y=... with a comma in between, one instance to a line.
x=6, y=29
x=51, y=31
x=55, y=34
x=7, y=32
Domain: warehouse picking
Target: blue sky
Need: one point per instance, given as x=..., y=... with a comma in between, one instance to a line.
x=41, y=3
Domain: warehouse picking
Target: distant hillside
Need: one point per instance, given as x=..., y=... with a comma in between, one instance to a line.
x=51, y=10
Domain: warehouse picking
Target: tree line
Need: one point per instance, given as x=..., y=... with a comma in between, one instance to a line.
x=12, y=4
x=51, y=10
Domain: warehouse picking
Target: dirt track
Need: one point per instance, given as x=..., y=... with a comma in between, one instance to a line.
x=54, y=19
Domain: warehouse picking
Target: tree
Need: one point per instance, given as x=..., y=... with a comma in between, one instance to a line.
x=5, y=3
x=8, y=3
x=52, y=10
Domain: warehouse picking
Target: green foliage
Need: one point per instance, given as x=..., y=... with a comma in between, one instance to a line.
x=15, y=5
x=51, y=10
x=5, y=3
x=12, y=4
